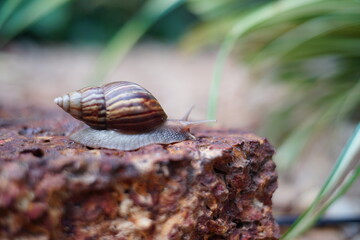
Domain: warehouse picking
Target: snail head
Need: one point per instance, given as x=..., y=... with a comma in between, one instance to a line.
x=184, y=124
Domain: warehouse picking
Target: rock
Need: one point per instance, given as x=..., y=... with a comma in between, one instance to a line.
x=216, y=187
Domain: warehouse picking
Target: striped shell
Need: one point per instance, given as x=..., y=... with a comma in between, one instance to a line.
x=123, y=106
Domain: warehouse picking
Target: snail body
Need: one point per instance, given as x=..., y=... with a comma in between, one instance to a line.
x=124, y=116
x=122, y=141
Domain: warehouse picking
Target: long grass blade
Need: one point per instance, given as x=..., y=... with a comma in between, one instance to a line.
x=305, y=32
x=129, y=34
x=344, y=174
x=247, y=23
x=7, y=9
x=339, y=193
x=30, y=14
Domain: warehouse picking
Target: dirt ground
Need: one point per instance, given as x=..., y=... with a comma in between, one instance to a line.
x=35, y=75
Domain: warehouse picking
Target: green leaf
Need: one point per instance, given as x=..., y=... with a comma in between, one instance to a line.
x=346, y=171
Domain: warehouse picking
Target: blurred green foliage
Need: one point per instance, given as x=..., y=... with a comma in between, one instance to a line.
x=85, y=22
x=312, y=46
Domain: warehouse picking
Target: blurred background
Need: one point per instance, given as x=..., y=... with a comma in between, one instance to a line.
x=286, y=70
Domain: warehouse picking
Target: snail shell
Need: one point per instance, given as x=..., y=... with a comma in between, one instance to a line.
x=123, y=116
x=123, y=106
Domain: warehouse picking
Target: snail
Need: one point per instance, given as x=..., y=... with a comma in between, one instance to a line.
x=123, y=116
